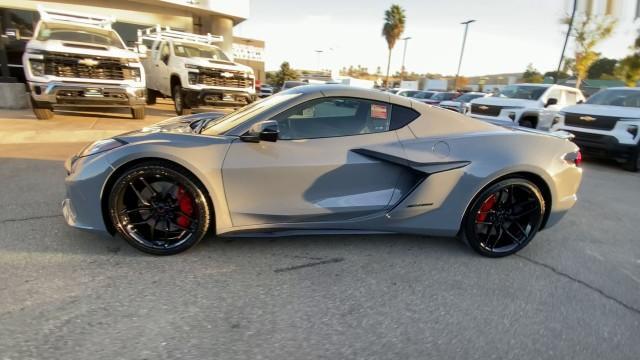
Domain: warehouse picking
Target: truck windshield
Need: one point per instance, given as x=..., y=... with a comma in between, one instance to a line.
x=619, y=97
x=197, y=50
x=526, y=92
x=231, y=120
x=78, y=33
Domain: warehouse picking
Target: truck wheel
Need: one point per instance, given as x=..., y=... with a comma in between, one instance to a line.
x=633, y=164
x=137, y=113
x=43, y=114
x=526, y=123
x=179, y=103
x=151, y=97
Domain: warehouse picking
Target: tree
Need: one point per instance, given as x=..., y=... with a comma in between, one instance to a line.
x=284, y=74
x=394, y=22
x=628, y=68
x=532, y=75
x=602, y=66
x=589, y=31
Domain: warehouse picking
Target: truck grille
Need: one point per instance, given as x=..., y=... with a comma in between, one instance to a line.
x=214, y=77
x=590, y=121
x=70, y=65
x=488, y=110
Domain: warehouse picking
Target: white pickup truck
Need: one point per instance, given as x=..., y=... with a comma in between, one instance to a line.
x=607, y=125
x=526, y=105
x=77, y=60
x=192, y=71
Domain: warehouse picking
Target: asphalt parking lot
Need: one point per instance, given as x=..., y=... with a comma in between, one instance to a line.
x=573, y=293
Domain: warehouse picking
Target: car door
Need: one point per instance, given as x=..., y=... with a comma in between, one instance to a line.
x=312, y=173
x=163, y=71
x=549, y=112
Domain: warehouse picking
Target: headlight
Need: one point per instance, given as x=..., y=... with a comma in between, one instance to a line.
x=249, y=75
x=37, y=67
x=101, y=146
x=193, y=78
x=135, y=73
x=191, y=66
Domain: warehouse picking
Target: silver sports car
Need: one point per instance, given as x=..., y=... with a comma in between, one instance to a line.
x=324, y=159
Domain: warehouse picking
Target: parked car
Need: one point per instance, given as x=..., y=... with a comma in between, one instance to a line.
x=526, y=105
x=291, y=84
x=78, y=60
x=606, y=125
x=265, y=90
x=297, y=163
x=407, y=93
x=439, y=97
x=461, y=103
x=192, y=71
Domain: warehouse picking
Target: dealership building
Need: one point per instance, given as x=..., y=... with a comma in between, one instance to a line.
x=217, y=17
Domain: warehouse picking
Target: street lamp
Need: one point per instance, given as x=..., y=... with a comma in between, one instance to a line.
x=464, y=40
x=404, y=54
x=318, y=52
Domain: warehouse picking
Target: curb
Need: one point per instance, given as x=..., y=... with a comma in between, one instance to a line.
x=55, y=136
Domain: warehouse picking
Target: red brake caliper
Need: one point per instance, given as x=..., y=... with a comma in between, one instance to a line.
x=484, y=209
x=185, y=203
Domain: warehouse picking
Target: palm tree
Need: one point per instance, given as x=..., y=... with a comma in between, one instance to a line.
x=393, y=28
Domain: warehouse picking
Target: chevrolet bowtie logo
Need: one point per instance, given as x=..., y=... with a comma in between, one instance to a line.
x=587, y=118
x=484, y=107
x=226, y=74
x=88, y=62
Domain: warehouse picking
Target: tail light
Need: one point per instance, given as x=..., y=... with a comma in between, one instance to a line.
x=574, y=158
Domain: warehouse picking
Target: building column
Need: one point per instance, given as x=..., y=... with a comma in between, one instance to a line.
x=217, y=25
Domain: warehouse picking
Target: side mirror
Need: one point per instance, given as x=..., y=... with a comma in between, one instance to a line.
x=551, y=101
x=262, y=131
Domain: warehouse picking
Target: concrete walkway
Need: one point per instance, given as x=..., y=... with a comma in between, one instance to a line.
x=21, y=126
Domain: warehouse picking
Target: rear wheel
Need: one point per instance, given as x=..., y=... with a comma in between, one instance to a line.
x=152, y=96
x=179, y=103
x=504, y=218
x=159, y=209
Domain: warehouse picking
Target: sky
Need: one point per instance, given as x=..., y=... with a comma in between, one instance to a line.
x=507, y=36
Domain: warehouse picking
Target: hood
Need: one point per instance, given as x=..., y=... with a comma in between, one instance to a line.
x=79, y=48
x=186, y=124
x=450, y=103
x=503, y=101
x=604, y=110
x=209, y=63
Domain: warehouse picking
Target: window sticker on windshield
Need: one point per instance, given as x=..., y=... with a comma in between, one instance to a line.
x=379, y=111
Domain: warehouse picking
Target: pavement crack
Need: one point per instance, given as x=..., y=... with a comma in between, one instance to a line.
x=583, y=283
x=37, y=217
x=296, y=267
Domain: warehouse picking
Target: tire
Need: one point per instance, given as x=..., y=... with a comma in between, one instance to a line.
x=152, y=96
x=137, y=113
x=43, y=114
x=526, y=123
x=633, y=164
x=178, y=101
x=512, y=218
x=159, y=208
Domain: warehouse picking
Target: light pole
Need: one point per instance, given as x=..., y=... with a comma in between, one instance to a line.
x=566, y=40
x=318, y=52
x=464, y=40
x=404, y=55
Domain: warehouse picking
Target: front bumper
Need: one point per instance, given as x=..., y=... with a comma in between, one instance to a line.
x=217, y=97
x=53, y=94
x=605, y=146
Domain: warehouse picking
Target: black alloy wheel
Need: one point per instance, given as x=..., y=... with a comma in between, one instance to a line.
x=159, y=209
x=504, y=218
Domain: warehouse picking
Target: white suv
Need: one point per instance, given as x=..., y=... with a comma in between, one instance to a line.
x=606, y=125
x=76, y=59
x=527, y=105
x=192, y=71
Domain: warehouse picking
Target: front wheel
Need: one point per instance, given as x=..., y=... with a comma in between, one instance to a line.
x=504, y=218
x=179, y=103
x=158, y=208
x=137, y=113
x=633, y=163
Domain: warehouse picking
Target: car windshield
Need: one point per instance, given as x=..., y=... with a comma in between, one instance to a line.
x=424, y=95
x=526, y=92
x=189, y=50
x=231, y=120
x=468, y=97
x=83, y=34
x=619, y=97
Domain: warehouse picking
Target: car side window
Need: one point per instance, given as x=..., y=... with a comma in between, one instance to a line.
x=401, y=116
x=334, y=117
x=164, y=51
x=570, y=97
